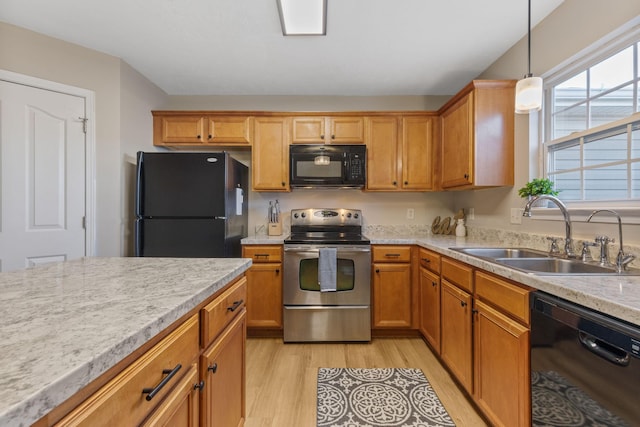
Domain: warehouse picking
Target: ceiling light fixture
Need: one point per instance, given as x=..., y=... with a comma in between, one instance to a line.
x=322, y=160
x=303, y=17
x=529, y=89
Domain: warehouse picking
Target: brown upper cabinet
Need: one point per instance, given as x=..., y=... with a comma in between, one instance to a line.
x=172, y=128
x=328, y=130
x=477, y=127
x=400, y=153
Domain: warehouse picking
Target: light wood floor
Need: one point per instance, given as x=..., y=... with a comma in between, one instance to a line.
x=281, y=378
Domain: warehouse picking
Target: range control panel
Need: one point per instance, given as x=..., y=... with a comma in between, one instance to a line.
x=326, y=216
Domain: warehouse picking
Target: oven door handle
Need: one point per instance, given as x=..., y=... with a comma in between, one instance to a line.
x=341, y=250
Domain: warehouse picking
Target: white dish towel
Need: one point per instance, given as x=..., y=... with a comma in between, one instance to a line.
x=327, y=269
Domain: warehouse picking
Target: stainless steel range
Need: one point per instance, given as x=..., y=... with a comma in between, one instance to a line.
x=327, y=277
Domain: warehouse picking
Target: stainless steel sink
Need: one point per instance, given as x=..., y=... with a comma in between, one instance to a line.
x=537, y=262
x=494, y=253
x=554, y=266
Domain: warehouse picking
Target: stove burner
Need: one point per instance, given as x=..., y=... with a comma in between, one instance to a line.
x=326, y=226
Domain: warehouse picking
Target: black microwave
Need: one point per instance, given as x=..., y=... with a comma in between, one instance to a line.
x=314, y=166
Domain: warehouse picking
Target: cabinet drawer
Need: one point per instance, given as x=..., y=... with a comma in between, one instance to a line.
x=513, y=299
x=219, y=312
x=121, y=401
x=263, y=253
x=430, y=260
x=391, y=253
x=458, y=273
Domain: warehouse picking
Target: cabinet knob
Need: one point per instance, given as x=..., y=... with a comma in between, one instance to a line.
x=434, y=284
x=333, y=137
x=283, y=183
x=199, y=386
x=199, y=137
x=321, y=136
x=210, y=136
x=463, y=304
x=213, y=368
x=277, y=270
x=406, y=183
x=395, y=183
x=377, y=270
x=466, y=176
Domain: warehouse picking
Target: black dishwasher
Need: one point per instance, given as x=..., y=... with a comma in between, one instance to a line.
x=585, y=366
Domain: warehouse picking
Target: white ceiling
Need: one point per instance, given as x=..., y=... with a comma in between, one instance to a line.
x=236, y=47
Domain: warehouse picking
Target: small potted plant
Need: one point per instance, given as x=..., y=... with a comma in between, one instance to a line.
x=537, y=187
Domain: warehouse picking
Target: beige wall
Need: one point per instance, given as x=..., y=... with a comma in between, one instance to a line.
x=560, y=36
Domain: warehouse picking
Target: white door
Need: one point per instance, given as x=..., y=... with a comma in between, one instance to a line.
x=42, y=171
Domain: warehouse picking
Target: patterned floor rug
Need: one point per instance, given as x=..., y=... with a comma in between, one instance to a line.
x=349, y=397
x=558, y=403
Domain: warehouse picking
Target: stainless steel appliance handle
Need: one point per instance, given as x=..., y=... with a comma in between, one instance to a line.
x=599, y=348
x=316, y=249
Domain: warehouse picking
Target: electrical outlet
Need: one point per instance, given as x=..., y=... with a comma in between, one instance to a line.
x=516, y=215
x=410, y=213
x=471, y=213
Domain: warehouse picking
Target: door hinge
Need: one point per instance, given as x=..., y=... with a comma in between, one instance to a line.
x=84, y=123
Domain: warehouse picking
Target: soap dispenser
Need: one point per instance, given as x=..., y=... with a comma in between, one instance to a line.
x=461, y=230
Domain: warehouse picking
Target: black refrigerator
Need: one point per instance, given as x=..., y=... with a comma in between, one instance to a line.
x=190, y=205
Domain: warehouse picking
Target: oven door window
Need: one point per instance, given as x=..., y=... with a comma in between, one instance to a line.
x=308, y=279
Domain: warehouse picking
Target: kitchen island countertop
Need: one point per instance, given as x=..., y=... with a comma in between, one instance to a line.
x=64, y=324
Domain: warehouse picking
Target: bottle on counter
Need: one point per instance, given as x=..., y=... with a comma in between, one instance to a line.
x=461, y=229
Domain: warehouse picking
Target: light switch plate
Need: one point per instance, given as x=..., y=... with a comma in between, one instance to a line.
x=516, y=215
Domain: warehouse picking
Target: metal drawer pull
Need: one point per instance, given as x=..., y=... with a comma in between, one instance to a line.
x=427, y=260
x=392, y=255
x=199, y=386
x=261, y=255
x=235, y=305
x=151, y=392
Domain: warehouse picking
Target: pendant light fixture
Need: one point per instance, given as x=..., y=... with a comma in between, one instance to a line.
x=529, y=89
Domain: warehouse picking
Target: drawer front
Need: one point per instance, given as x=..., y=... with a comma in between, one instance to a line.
x=391, y=253
x=263, y=253
x=122, y=401
x=512, y=299
x=221, y=311
x=430, y=260
x=458, y=273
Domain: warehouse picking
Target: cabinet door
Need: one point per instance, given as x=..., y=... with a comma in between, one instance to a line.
x=382, y=153
x=308, y=130
x=430, y=308
x=392, y=295
x=179, y=130
x=345, y=130
x=502, y=372
x=457, y=143
x=230, y=130
x=270, y=154
x=456, y=332
x=223, y=371
x=417, y=153
x=264, y=296
x=180, y=407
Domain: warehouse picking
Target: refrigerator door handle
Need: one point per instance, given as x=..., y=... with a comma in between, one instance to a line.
x=219, y=217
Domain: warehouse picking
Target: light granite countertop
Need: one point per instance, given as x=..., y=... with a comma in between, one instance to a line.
x=617, y=296
x=64, y=324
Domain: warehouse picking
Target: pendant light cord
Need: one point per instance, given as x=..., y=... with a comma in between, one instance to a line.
x=529, y=45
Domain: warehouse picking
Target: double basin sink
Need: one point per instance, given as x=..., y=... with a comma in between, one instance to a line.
x=538, y=262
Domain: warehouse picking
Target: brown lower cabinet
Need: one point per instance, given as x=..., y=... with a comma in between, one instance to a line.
x=484, y=337
x=264, y=287
x=179, y=387
x=391, y=286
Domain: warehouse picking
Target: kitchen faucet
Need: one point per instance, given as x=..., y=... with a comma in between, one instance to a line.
x=568, y=241
x=622, y=259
